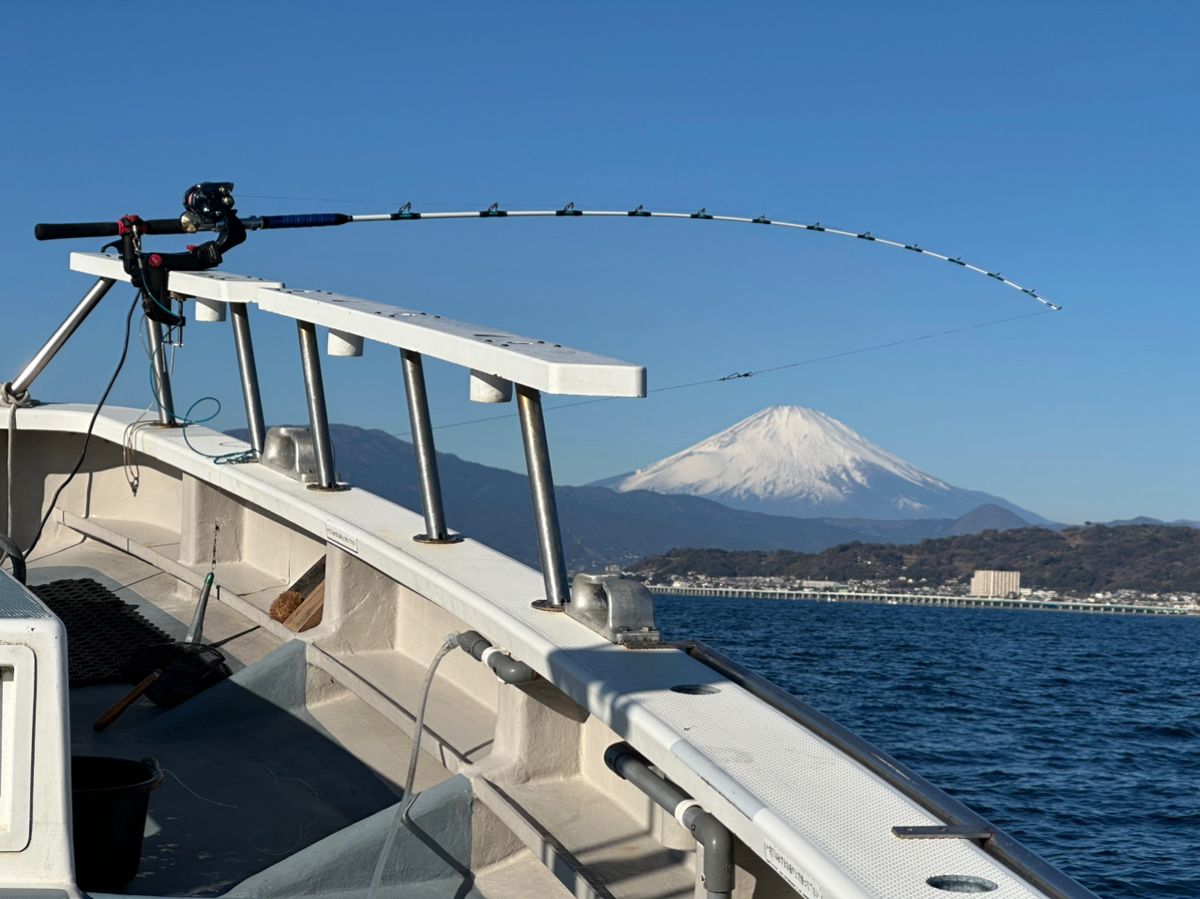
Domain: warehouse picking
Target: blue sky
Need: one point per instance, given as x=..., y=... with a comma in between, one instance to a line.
x=1056, y=143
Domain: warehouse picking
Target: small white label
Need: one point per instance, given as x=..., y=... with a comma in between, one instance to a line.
x=341, y=538
x=791, y=872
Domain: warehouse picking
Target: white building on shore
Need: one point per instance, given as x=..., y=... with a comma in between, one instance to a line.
x=996, y=583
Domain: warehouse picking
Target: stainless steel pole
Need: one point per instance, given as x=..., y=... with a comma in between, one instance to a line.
x=162, y=375
x=422, y=434
x=240, y=319
x=19, y=386
x=318, y=420
x=541, y=488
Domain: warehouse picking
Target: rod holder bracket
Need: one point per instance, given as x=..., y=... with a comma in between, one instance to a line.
x=617, y=608
x=944, y=832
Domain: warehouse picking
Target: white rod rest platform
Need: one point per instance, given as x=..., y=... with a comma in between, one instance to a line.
x=542, y=365
x=224, y=286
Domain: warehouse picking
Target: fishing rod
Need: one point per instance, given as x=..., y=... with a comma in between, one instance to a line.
x=209, y=206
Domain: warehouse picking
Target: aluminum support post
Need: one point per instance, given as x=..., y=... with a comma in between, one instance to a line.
x=162, y=374
x=422, y=437
x=545, y=509
x=318, y=420
x=18, y=388
x=240, y=318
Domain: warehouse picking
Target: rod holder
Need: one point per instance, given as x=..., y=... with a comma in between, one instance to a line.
x=17, y=389
x=248, y=371
x=318, y=418
x=161, y=373
x=423, y=448
x=545, y=509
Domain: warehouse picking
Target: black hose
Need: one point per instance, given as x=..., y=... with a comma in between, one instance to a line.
x=87, y=437
x=9, y=550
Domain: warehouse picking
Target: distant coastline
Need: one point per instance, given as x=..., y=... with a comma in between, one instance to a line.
x=1139, y=606
x=1139, y=562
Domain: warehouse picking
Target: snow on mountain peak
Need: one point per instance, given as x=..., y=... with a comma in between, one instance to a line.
x=781, y=453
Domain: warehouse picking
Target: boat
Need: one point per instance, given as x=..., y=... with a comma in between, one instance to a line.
x=341, y=697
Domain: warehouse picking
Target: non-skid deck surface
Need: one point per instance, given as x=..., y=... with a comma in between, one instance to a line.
x=103, y=631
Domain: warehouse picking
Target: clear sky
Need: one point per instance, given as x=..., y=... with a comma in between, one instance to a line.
x=1057, y=143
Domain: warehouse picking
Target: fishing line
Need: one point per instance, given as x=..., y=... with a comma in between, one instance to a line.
x=360, y=202
x=745, y=375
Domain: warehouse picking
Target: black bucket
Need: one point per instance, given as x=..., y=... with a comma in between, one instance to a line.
x=110, y=797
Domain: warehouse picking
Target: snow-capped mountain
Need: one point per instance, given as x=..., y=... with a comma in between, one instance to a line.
x=789, y=460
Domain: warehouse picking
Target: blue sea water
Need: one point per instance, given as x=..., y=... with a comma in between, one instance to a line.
x=1078, y=734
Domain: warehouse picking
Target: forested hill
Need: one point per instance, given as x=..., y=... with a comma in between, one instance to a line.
x=1151, y=558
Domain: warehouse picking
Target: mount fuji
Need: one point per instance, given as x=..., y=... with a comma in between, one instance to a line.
x=790, y=460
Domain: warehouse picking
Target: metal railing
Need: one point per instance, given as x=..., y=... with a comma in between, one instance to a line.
x=497, y=362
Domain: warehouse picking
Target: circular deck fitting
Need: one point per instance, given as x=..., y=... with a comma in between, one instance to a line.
x=695, y=689
x=332, y=488
x=961, y=883
x=437, y=541
x=545, y=605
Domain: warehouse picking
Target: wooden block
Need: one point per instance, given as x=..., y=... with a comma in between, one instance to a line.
x=308, y=613
x=309, y=580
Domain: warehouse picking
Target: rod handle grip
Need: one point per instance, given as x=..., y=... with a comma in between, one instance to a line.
x=68, y=230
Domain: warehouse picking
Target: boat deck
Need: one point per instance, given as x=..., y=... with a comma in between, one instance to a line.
x=283, y=756
x=256, y=768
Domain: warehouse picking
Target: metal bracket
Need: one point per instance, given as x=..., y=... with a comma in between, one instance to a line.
x=619, y=609
x=944, y=832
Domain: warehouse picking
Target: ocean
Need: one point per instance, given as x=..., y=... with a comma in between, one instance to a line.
x=1078, y=734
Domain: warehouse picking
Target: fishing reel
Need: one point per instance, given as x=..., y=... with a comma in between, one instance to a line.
x=207, y=206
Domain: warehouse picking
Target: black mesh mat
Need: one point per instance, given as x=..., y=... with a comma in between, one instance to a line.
x=103, y=631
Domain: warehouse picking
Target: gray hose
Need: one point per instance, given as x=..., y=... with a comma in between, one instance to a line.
x=718, y=873
x=408, y=797
x=505, y=666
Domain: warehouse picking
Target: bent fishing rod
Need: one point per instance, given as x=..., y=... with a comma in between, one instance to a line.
x=209, y=206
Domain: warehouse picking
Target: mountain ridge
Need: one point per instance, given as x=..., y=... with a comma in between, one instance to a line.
x=600, y=526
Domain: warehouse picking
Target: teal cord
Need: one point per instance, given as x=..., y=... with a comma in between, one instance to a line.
x=218, y=458
x=187, y=420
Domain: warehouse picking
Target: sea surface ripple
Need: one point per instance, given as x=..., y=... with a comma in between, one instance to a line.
x=1078, y=734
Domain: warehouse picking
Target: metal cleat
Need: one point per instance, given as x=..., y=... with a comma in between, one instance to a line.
x=290, y=451
x=619, y=609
